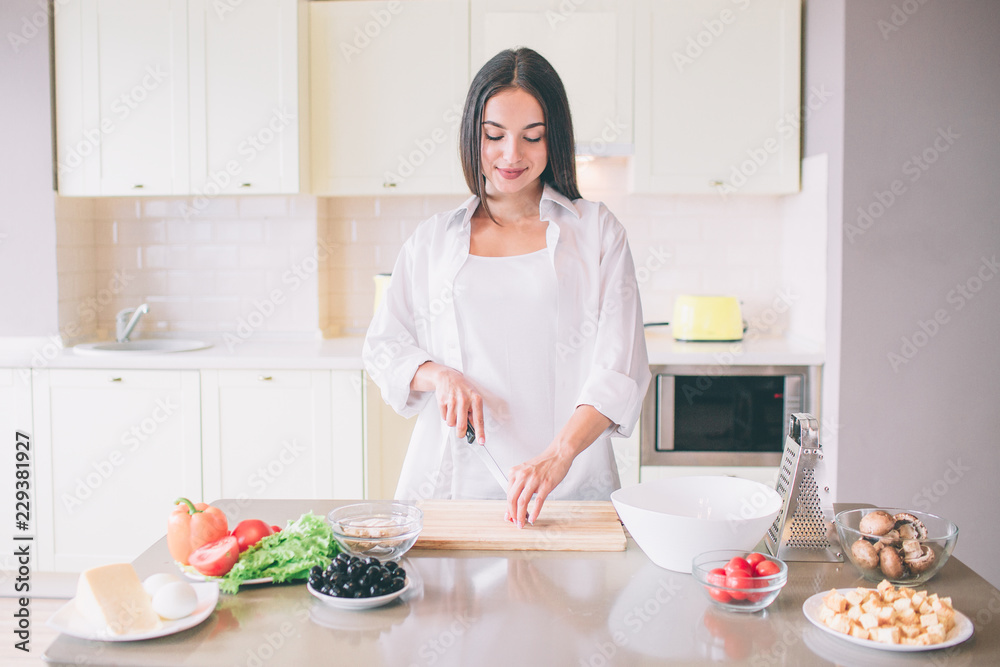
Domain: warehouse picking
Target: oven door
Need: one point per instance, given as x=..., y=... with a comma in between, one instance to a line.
x=722, y=415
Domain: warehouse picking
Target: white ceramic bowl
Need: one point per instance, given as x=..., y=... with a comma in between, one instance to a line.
x=674, y=520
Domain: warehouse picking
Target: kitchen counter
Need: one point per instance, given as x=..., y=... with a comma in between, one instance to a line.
x=528, y=608
x=345, y=353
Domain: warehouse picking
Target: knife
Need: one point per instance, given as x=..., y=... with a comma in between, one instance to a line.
x=485, y=457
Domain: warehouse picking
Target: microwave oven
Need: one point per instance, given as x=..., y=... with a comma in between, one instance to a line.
x=723, y=415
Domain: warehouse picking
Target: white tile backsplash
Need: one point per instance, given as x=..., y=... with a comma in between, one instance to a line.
x=211, y=266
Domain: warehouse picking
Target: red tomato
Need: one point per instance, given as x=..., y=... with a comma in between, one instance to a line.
x=757, y=597
x=249, y=533
x=738, y=564
x=216, y=558
x=739, y=580
x=766, y=568
x=275, y=529
x=717, y=577
x=755, y=558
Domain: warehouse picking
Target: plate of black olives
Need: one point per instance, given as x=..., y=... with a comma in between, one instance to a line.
x=349, y=582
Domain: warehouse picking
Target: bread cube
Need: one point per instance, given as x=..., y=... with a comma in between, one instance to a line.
x=868, y=621
x=936, y=633
x=835, y=601
x=825, y=613
x=901, y=603
x=884, y=587
x=859, y=632
x=918, y=599
x=886, y=615
x=925, y=608
x=854, y=612
x=839, y=623
x=906, y=592
x=927, y=620
x=855, y=598
x=870, y=607
x=908, y=617
x=888, y=635
x=911, y=631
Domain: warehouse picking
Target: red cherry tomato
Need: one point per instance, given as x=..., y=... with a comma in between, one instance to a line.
x=738, y=564
x=250, y=532
x=739, y=580
x=275, y=529
x=216, y=558
x=755, y=558
x=766, y=568
x=717, y=577
x=757, y=597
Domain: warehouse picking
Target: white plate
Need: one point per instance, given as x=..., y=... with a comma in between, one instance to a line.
x=957, y=635
x=195, y=575
x=71, y=622
x=358, y=603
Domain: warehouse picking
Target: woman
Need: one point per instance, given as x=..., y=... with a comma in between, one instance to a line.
x=517, y=313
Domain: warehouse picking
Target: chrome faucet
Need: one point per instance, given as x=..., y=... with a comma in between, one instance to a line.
x=126, y=320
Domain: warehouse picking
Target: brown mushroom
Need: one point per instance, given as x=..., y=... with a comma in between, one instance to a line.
x=890, y=539
x=865, y=554
x=891, y=564
x=922, y=562
x=877, y=523
x=910, y=527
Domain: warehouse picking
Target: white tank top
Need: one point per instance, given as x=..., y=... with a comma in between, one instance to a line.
x=506, y=308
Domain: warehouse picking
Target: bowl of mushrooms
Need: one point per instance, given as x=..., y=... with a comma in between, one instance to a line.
x=904, y=546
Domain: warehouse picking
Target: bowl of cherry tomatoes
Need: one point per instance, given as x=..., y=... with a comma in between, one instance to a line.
x=739, y=581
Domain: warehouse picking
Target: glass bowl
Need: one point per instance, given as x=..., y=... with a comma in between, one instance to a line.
x=743, y=599
x=383, y=528
x=919, y=557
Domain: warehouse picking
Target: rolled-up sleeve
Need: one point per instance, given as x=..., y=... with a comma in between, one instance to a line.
x=619, y=374
x=391, y=353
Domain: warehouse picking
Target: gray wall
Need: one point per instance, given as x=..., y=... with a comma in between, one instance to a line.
x=28, y=292
x=921, y=429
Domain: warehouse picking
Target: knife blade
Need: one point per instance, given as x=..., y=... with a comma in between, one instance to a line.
x=485, y=457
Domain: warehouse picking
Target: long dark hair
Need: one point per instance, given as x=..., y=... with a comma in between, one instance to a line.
x=525, y=69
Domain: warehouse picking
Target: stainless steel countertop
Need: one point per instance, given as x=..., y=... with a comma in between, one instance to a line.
x=527, y=608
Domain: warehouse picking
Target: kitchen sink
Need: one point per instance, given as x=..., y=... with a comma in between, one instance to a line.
x=147, y=346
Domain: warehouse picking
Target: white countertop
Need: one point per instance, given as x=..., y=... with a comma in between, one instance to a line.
x=345, y=354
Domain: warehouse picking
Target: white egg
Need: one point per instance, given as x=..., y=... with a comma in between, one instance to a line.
x=175, y=600
x=155, y=582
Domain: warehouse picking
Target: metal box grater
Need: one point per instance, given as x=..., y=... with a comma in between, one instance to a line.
x=803, y=529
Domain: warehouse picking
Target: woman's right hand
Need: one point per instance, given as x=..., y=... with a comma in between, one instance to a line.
x=458, y=400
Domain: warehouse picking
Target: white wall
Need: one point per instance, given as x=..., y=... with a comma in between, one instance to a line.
x=920, y=369
x=28, y=293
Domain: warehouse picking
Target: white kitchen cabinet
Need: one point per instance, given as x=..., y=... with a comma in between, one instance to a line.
x=717, y=96
x=121, y=95
x=172, y=97
x=588, y=43
x=282, y=434
x=248, y=96
x=388, y=80
x=16, y=427
x=115, y=448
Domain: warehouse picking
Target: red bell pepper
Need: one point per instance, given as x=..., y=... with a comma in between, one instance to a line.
x=191, y=525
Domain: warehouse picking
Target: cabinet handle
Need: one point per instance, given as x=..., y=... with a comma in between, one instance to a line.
x=264, y=378
x=244, y=185
x=389, y=184
x=114, y=379
x=137, y=186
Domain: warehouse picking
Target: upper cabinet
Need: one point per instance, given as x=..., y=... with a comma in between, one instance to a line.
x=169, y=97
x=388, y=80
x=121, y=97
x=590, y=46
x=717, y=96
x=248, y=95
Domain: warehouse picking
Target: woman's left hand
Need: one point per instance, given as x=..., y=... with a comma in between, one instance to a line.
x=537, y=476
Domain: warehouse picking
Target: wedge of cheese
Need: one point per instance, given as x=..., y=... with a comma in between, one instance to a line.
x=112, y=599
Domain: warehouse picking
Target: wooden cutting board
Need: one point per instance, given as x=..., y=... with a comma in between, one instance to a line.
x=565, y=525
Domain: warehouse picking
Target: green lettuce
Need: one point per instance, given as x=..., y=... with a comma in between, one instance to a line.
x=284, y=556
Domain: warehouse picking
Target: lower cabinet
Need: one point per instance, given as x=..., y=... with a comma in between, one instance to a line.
x=281, y=434
x=114, y=449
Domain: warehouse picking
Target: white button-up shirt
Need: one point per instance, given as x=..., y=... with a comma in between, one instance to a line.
x=600, y=349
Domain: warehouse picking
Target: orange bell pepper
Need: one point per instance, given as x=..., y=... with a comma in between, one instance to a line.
x=191, y=525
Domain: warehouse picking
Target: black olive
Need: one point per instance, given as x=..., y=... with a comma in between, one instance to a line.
x=357, y=593
x=399, y=572
x=374, y=591
x=371, y=560
x=316, y=569
x=342, y=556
x=391, y=565
x=347, y=588
x=354, y=560
x=397, y=584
